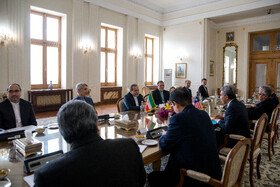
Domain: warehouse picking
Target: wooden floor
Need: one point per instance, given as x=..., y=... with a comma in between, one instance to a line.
x=101, y=109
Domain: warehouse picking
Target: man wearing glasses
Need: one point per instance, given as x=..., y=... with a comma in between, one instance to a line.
x=14, y=111
x=160, y=95
x=265, y=106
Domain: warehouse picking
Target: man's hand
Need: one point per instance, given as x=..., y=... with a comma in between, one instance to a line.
x=164, y=132
x=217, y=117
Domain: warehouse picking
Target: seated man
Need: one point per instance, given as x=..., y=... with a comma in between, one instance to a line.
x=273, y=95
x=191, y=142
x=265, y=106
x=236, y=116
x=132, y=100
x=203, y=89
x=14, y=111
x=187, y=86
x=82, y=91
x=91, y=160
x=160, y=95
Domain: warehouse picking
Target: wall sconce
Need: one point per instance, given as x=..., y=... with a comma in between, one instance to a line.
x=136, y=54
x=183, y=57
x=86, y=47
x=4, y=38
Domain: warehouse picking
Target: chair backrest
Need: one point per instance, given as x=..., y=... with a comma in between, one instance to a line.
x=146, y=97
x=145, y=90
x=235, y=163
x=120, y=105
x=171, y=89
x=259, y=132
x=274, y=117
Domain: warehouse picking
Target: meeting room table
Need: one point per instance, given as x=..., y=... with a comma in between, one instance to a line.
x=53, y=141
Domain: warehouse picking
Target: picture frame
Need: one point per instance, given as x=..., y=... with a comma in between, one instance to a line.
x=181, y=70
x=230, y=36
x=212, y=68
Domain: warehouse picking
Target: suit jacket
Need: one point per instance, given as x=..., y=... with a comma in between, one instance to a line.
x=203, y=92
x=265, y=106
x=93, y=161
x=87, y=100
x=188, y=90
x=129, y=102
x=157, y=96
x=274, y=99
x=191, y=141
x=236, y=119
x=7, y=115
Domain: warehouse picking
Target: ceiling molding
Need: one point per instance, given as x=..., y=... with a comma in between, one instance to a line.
x=261, y=19
x=168, y=19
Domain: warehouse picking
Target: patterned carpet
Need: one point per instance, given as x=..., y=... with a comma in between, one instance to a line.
x=270, y=170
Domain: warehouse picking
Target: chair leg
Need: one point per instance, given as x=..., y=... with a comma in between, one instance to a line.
x=272, y=144
x=268, y=150
x=251, y=171
x=258, y=166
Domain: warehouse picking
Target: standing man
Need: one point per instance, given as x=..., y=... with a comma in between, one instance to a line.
x=91, y=160
x=191, y=142
x=187, y=87
x=132, y=100
x=160, y=95
x=14, y=111
x=236, y=116
x=82, y=91
x=203, y=89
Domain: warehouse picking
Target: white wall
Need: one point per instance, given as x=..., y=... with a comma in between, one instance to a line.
x=185, y=39
x=83, y=22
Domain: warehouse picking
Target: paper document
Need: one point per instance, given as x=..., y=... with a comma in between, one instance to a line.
x=29, y=180
x=142, y=148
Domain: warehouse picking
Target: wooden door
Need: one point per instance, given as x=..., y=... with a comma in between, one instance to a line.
x=264, y=60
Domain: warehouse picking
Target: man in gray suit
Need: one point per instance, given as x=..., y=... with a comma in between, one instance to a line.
x=91, y=160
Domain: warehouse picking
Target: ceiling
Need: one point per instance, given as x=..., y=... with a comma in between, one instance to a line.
x=168, y=12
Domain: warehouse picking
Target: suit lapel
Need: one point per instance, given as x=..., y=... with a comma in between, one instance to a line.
x=10, y=108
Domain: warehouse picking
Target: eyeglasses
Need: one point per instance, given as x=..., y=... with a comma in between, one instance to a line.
x=260, y=94
x=161, y=85
x=14, y=91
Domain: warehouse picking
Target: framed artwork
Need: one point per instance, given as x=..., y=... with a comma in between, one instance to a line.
x=212, y=68
x=181, y=70
x=229, y=36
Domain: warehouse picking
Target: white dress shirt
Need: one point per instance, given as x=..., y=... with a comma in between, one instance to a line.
x=17, y=114
x=136, y=100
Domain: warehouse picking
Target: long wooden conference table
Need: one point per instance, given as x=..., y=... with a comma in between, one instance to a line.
x=52, y=141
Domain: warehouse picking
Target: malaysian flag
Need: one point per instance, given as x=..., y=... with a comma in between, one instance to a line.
x=197, y=103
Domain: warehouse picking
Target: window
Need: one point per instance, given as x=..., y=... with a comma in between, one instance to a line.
x=45, y=50
x=149, y=60
x=108, y=56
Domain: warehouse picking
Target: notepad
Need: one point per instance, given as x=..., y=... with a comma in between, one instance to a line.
x=29, y=180
x=142, y=148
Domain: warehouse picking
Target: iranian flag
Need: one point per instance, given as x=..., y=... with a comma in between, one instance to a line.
x=150, y=103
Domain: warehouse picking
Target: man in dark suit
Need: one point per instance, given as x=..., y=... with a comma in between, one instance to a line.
x=187, y=87
x=273, y=95
x=82, y=91
x=14, y=111
x=132, y=100
x=203, y=89
x=91, y=160
x=191, y=142
x=236, y=116
x=160, y=95
x=265, y=106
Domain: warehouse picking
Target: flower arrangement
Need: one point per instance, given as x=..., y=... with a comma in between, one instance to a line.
x=164, y=111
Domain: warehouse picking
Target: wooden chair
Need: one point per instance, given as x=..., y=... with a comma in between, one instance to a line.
x=271, y=135
x=233, y=169
x=120, y=105
x=256, y=139
x=145, y=90
x=171, y=89
x=146, y=97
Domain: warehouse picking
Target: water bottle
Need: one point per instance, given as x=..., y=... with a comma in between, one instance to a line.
x=142, y=108
x=51, y=85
